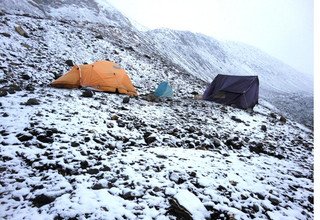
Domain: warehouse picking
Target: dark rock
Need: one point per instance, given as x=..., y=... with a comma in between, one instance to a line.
x=75, y=144
x=310, y=199
x=179, y=211
x=93, y=171
x=194, y=93
x=150, y=98
x=244, y=197
x=5, y=34
x=273, y=115
x=45, y=139
x=84, y=164
x=87, y=93
x=42, y=200
x=255, y=208
x=3, y=92
x=221, y=188
x=260, y=196
x=15, y=87
x=24, y=137
x=126, y=99
x=150, y=139
x=98, y=141
x=32, y=101
x=283, y=119
x=11, y=91
x=274, y=201
x=257, y=149
x=121, y=123
x=25, y=76
x=263, y=128
x=105, y=168
x=99, y=36
x=191, y=129
x=4, y=133
x=114, y=117
x=234, y=118
x=128, y=196
x=130, y=48
x=231, y=143
x=98, y=186
x=5, y=115
x=216, y=142
x=30, y=88
x=69, y=63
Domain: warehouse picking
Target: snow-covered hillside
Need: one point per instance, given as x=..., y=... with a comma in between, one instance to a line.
x=205, y=57
x=96, y=11
x=65, y=156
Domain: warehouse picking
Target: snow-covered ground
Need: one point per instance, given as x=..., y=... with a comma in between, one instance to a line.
x=64, y=156
x=205, y=57
x=76, y=157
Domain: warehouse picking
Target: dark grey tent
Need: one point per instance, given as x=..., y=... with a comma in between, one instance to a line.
x=240, y=91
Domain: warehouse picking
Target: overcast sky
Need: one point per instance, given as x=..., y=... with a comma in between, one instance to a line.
x=282, y=28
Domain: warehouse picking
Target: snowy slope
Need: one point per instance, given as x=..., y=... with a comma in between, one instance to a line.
x=70, y=157
x=97, y=11
x=64, y=156
x=205, y=57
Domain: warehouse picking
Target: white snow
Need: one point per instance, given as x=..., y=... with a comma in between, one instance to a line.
x=98, y=168
x=192, y=203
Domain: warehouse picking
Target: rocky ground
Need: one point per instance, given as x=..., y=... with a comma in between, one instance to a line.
x=73, y=154
x=65, y=156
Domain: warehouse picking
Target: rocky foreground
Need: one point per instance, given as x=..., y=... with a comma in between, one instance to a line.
x=66, y=156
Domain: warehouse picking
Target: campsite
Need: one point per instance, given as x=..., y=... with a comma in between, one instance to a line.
x=125, y=132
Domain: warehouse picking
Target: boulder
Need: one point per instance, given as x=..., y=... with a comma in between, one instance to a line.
x=25, y=76
x=21, y=31
x=32, y=101
x=99, y=36
x=3, y=92
x=234, y=118
x=126, y=99
x=273, y=115
x=274, y=201
x=69, y=63
x=45, y=139
x=42, y=200
x=263, y=128
x=283, y=119
x=5, y=34
x=149, y=138
x=84, y=164
x=75, y=144
x=30, y=88
x=24, y=137
x=186, y=205
x=87, y=93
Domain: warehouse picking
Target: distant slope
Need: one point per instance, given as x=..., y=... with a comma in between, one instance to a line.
x=96, y=11
x=205, y=57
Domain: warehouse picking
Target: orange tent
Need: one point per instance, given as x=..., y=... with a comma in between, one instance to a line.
x=104, y=76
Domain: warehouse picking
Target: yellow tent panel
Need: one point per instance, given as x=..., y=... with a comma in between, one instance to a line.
x=104, y=76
